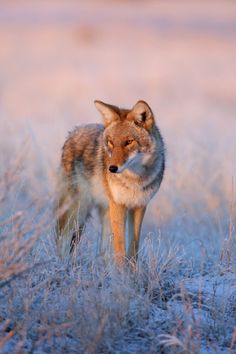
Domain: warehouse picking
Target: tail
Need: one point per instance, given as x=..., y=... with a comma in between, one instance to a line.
x=66, y=210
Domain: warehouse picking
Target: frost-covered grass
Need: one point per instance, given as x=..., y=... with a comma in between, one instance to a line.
x=181, y=296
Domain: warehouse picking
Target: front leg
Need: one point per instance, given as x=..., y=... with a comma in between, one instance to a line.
x=118, y=220
x=135, y=219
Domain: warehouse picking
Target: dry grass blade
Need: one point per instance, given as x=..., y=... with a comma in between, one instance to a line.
x=4, y=339
x=168, y=340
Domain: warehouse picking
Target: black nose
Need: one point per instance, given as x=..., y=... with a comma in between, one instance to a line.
x=113, y=168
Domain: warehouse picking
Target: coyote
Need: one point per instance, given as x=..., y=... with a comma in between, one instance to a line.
x=116, y=167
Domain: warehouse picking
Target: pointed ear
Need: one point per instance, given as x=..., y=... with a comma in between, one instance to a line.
x=109, y=113
x=142, y=115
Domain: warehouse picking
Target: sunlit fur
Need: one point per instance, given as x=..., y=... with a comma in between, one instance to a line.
x=131, y=143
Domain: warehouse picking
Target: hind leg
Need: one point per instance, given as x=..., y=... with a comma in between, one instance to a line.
x=103, y=241
x=76, y=237
x=71, y=211
x=67, y=222
x=83, y=212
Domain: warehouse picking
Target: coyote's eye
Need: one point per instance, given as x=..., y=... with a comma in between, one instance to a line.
x=129, y=142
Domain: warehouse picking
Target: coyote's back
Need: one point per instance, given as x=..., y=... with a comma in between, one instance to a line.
x=115, y=167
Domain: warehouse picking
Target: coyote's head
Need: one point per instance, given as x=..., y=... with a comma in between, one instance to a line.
x=129, y=136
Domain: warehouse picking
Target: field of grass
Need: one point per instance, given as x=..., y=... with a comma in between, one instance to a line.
x=55, y=59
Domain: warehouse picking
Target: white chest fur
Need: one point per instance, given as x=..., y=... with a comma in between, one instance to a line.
x=131, y=194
